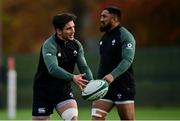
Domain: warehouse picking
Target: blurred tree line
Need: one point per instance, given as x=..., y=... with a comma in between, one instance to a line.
x=25, y=24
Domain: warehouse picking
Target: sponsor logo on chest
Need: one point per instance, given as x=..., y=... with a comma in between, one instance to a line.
x=75, y=53
x=59, y=54
x=113, y=42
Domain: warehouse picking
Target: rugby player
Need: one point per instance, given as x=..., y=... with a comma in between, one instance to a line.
x=117, y=50
x=52, y=82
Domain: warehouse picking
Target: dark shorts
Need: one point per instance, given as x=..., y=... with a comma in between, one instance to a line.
x=46, y=99
x=118, y=92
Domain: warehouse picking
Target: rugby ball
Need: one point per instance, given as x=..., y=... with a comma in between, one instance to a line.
x=95, y=89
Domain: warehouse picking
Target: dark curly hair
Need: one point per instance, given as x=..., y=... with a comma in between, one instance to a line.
x=60, y=20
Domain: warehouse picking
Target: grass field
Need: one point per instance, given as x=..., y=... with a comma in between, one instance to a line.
x=84, y=114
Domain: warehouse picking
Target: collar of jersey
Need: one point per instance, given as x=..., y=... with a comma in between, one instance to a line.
x=114, y=30
x=59, y=41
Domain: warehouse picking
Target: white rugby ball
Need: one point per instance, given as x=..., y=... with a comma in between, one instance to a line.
x=95, y=89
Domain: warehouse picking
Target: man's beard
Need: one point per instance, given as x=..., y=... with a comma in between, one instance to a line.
x=105, y=28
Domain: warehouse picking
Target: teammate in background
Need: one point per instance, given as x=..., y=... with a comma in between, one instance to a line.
x=117, y=50
x=52, y=82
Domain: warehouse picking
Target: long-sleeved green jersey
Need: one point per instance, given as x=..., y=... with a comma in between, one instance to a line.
x=117, y=50
x=57, y=61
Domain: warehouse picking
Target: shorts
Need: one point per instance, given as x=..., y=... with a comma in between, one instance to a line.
x=118, y=92
x=46, y=99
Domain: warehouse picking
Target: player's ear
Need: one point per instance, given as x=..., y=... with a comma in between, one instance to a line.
x=114, y=18
x=59, y=32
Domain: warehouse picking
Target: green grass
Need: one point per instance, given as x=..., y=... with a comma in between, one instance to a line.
x=84, y=114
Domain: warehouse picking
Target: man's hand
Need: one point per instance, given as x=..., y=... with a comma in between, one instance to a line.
x=79, y=81
x=109, y=78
